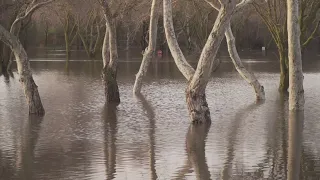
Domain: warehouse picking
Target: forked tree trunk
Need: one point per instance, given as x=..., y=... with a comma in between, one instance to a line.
x=93, y=45
x=296, y=92
x=149, y=52
x=30, y=9
x=195, y=92
x=26, y=79
x=109, y=72
x=245, y=74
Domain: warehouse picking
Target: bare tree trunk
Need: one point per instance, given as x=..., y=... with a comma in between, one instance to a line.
x=84, y=42
x=284, y=71
x=91, y=38
x=109, y=73
x=14, y=30
x=150, y=50
x=128, y=39
x=17, y=23
x=195, y=92
x=46, y=31
x=181, y=62
x=105, y=48
x=66, y=39
x=97, y=43
x=245, y=74
x=29, y=86
x=296, y=92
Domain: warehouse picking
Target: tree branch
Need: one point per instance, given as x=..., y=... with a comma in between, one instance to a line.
x=29, y=11
x=311, y=36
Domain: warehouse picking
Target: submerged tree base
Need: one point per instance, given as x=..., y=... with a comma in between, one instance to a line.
x=284, y=82
x=111, y=88
x=33, y=97
x=199, y=111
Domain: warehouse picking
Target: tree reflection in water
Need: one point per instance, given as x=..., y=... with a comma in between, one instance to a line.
x=151, y=116
x=110, y=129
x=195, y=148
x=30, y=138
x=240, y=116
x=23, y=165
x=296, y=120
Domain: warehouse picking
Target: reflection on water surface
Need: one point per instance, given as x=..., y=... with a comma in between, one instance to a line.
x=148, y=136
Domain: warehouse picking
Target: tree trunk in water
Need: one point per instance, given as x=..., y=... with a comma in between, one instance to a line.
x=109, y=73
x=245, y=74
x=66, y=39
x=149, y=52
x=111, y=88
x=29, y=86
x=296, y=92
x=284, y=71
x=195, y=92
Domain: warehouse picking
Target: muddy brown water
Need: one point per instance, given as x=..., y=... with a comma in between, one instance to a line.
x=149, y=136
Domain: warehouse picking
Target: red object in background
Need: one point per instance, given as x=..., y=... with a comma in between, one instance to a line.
x=159, y=52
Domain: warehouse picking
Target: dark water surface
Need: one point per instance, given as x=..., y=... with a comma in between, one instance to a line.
x=149, y=136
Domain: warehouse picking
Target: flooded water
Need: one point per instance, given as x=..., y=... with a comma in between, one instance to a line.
x=149, y=136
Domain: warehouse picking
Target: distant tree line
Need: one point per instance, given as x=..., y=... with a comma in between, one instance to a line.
x=79, y=24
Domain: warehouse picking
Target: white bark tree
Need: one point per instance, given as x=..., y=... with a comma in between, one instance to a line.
x=150, y=50
x=114, y=12
x=181, y=62
x=31, y=8
x=26, y=79
x=198, y=79
x=27, y=13
x=245, y=74
x=109, y=72
x=231, y=42
x=296, y=92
